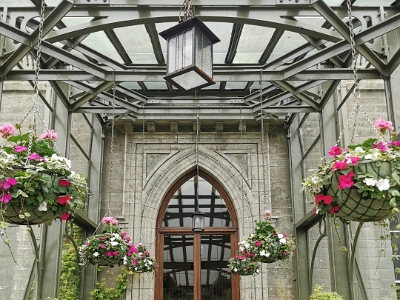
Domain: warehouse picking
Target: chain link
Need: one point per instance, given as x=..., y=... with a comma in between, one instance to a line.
x=262, y=140
x=187, y=11
x=112, y=143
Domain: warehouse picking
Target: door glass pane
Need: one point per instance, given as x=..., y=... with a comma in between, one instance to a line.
x=178, y=267
x=183, y=204
x=215, y=279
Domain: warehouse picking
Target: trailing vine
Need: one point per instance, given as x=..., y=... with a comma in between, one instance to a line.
x=101, y=292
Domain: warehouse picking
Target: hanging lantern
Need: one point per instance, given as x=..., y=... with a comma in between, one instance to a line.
x=198, y=221
x=190, y=54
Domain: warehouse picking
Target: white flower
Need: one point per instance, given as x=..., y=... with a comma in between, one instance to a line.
x=373, y=156
x=112, y=239
x=125, y=260
x=280, y=235
x=114, y=243
x=316, y=179
x=150, y=262
x=359, y=150
x=96, y=254
x=257, y=271
x=383, y=184
x=116, y=235
x=263, y=253
x=370, y=181
x=43, y=206
x=283, y=241
x=235, y=270
x=251, y=235
x=247, y=245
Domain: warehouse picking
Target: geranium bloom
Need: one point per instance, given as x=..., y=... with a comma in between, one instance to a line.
x=35, y=156
x=318, y=199
x=102, y=246
x=49, y=135
x=380, y=146
x=257, y=243
x=65, y=216
x=335, y=151
x=339, y=165
x=108, y=253
x=383, y=125
x=7, y=130
x=109, y=221
x=345, y=181
x=19, y=148
x=64, y=199
x=328, y=199
x=6, y=184
x=383, y=184
x=64, y=182
x=115, y=253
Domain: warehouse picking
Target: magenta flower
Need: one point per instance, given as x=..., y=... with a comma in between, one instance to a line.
x=335, y=151
x=108, y=253
x=64, y=182
x=19, y=148
x=115, y=253
x=334, y=210
x=345, y=181
x=35, y=156
x=339, y=165
x=102, y=246
x=5, y=198
x=257, y=243
x=353, y=159
x=6, y=184
x=328, y=199
x=64, y=199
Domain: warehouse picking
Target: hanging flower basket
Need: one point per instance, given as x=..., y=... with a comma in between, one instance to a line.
x=140, y=261
x=109, y=248
x=36, y=187
x=243, y=264
x=361, y=183
x=267, y=244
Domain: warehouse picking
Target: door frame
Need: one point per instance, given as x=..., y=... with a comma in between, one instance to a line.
x=162, y=231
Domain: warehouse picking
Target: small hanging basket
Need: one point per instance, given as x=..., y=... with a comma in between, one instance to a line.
x=243, y=265
x=353, y=205
x=109, y=248
x=140, y=260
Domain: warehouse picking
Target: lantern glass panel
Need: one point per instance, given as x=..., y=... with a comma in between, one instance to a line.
x=203, y=53
x=180, y=51
x=189, y=80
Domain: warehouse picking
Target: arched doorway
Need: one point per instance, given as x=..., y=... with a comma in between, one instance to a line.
x=193, y=265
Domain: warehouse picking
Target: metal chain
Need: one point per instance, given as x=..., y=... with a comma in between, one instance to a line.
x=197, y=161
x=187, y=10
x=262, y=140
x=143, y=172
x=35, y=87
x=112, y=143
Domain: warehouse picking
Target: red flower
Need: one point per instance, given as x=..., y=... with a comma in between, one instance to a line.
x=318, y=199
x=65, y=216
x=64, y=199
x=64, y=182
x=327, y=200
x=258, y=243
x=335, y=151
x=334, y=210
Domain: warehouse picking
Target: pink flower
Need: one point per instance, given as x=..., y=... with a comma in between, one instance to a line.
x=115, y=253
x=5, y=198
x=353, y=159
x=267, y=214
x=109, y=221
x=345, y=181
x=49, y=135
x=7, y=130
x=334, y=210
x=383, y=125
x=35, y=156
x=380, y=146
x=108, y=253
x=318, y=199
x=65, y=216
x=64, y=199
x=19, y=148
x=339, y=165
x=258, y=243
x=335, y=151
x=64, y=182
x=102, y=246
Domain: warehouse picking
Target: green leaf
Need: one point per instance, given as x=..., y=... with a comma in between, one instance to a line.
x=27, y=214
x=393, y=202
x=21, y=216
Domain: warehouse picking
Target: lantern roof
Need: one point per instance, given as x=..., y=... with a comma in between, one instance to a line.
x=190, y=23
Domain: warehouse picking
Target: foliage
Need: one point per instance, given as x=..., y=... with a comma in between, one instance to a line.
x=319, y=294
x=369, y=186
x=109, y=247
x=105, y=293
x=243, y=264
x=36, y=177
x=70, y=270
x=139, y=260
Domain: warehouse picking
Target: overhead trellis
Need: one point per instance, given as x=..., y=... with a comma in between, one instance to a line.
x=298, y=46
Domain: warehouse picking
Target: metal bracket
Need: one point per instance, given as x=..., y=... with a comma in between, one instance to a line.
x=293, y=2
x=92, y=2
